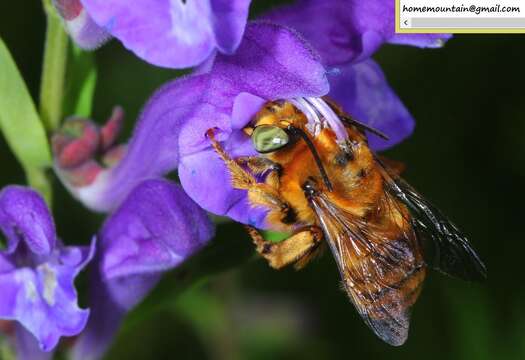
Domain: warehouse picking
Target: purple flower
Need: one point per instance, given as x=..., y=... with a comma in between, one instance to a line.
x=271, y=63
x=156, y=228
x=348, y=31
x=37, y=272
x=169, y=33
x=27, y=347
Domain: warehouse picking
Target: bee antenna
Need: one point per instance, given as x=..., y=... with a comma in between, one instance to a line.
x=296, y=131
x=363, y=126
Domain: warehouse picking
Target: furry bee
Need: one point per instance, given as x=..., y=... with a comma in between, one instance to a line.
x=322, y=183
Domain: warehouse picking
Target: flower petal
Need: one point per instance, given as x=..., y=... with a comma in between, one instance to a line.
x=155, y=229
x=245, y=107
x=229, y=21
x=363, y=92
x=79, y=25
x=6, y=264
x=43, y=299
x=355, y=30
x=172, y=33
x=24, y=216
x=271, y=63
x=10, y=288
x=421, y=40
x=206, y=179
x=27, y=346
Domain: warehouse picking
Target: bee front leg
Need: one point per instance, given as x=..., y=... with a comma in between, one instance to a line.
x=289, y=251
x=259, y=193
x=260, y=165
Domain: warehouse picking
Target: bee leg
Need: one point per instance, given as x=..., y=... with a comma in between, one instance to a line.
x=305, y=260
x=259, y=165
x=291, y=250
x=259, y=193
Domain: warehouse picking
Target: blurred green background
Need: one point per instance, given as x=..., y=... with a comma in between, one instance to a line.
x=467, y=155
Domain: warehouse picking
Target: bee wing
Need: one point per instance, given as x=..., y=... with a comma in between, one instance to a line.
x=452, y=253
x=381, y=275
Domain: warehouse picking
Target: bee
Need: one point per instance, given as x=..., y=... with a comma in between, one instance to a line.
x=321, y=182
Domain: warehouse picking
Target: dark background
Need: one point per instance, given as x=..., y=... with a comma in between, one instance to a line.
x=467, y=155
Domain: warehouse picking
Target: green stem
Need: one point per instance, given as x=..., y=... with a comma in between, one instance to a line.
x=39, y=180
x=54, y=69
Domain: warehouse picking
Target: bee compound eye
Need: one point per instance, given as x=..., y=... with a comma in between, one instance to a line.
x=268, y=138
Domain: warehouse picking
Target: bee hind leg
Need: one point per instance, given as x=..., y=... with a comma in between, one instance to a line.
x=298, y=249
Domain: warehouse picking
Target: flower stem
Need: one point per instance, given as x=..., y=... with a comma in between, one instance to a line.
x=54, y=69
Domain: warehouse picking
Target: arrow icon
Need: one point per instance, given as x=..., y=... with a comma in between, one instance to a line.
x=405, y=22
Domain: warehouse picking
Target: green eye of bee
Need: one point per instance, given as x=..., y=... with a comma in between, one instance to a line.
x=267, y=138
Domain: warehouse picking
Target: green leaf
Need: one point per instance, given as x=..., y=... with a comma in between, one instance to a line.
x=21, y=126
x=81, y=80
